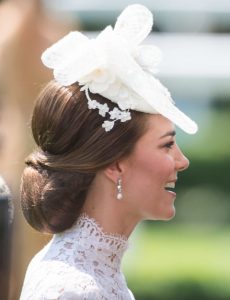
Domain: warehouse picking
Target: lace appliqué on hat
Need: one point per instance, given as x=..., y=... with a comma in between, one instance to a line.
x=115, y=115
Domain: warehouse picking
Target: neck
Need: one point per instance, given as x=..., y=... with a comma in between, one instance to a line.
x=91, y=244
x=113, y=215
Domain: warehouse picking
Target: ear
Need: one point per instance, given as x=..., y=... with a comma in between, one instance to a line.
x=114, y=171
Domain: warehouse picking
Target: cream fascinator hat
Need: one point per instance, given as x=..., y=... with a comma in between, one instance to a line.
x=116, y=66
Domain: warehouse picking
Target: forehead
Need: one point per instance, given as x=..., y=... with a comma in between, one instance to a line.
x=158, y=126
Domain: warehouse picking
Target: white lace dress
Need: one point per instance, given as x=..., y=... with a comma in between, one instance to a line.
x=82, y=263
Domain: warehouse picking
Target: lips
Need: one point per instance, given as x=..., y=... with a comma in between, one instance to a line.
x=170, y=186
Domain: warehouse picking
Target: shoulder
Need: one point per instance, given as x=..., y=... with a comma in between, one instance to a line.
x=84, y=289
x=57, y=280
x=63, y=292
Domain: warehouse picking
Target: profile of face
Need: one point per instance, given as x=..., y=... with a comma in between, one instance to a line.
x=151, y=168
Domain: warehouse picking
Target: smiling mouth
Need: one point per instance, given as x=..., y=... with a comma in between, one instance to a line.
x=170, y=186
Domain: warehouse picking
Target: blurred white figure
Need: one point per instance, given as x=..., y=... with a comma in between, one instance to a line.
x=26, y=30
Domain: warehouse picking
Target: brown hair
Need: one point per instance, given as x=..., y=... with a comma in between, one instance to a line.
x=72, y=147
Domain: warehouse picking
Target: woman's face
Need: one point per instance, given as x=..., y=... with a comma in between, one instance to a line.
x=153, y=165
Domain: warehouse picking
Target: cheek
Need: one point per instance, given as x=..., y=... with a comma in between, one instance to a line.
x=164, y=167
x=152, y=171
x=156, y=170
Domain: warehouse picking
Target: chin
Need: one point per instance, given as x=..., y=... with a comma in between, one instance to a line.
x=170, y=214
x=164, y=216
x=167, y=215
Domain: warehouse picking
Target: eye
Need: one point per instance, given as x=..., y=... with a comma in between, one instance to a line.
x=169, y=145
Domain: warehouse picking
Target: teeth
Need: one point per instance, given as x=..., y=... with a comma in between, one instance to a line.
x=170, y=185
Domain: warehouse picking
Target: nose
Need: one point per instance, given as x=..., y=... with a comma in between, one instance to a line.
x=182, y=162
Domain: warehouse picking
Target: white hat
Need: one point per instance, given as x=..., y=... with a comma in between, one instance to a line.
x=116, y=66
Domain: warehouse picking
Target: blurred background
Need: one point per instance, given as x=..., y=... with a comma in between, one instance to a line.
x=188, y=257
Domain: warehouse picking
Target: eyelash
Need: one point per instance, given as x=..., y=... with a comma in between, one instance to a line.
x=169, y=145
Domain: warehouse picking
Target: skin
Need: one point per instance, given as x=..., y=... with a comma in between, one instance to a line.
x=155, y=161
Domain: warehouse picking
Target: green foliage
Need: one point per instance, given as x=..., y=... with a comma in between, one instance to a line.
x=214, y=173
x=175, y=262
x=212, y=141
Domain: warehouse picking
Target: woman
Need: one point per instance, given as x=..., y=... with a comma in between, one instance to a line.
x=106, y=159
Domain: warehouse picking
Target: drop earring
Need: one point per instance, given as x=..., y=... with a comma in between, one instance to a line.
x=119, y=189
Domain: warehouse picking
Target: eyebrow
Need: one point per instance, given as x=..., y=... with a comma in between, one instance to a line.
x=169, y=133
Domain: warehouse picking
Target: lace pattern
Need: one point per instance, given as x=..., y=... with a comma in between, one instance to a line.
x=80, y=263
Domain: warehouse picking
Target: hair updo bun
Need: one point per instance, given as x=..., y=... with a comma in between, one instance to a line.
x=52, y=200
x=72, y=147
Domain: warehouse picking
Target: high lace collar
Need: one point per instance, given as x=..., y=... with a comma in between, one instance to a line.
x=93, y=244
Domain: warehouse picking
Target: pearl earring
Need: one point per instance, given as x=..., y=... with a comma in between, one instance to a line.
x=119, y=189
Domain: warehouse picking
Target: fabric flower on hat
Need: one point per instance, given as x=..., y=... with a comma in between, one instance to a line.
x=119, y=67
x=98, y=80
